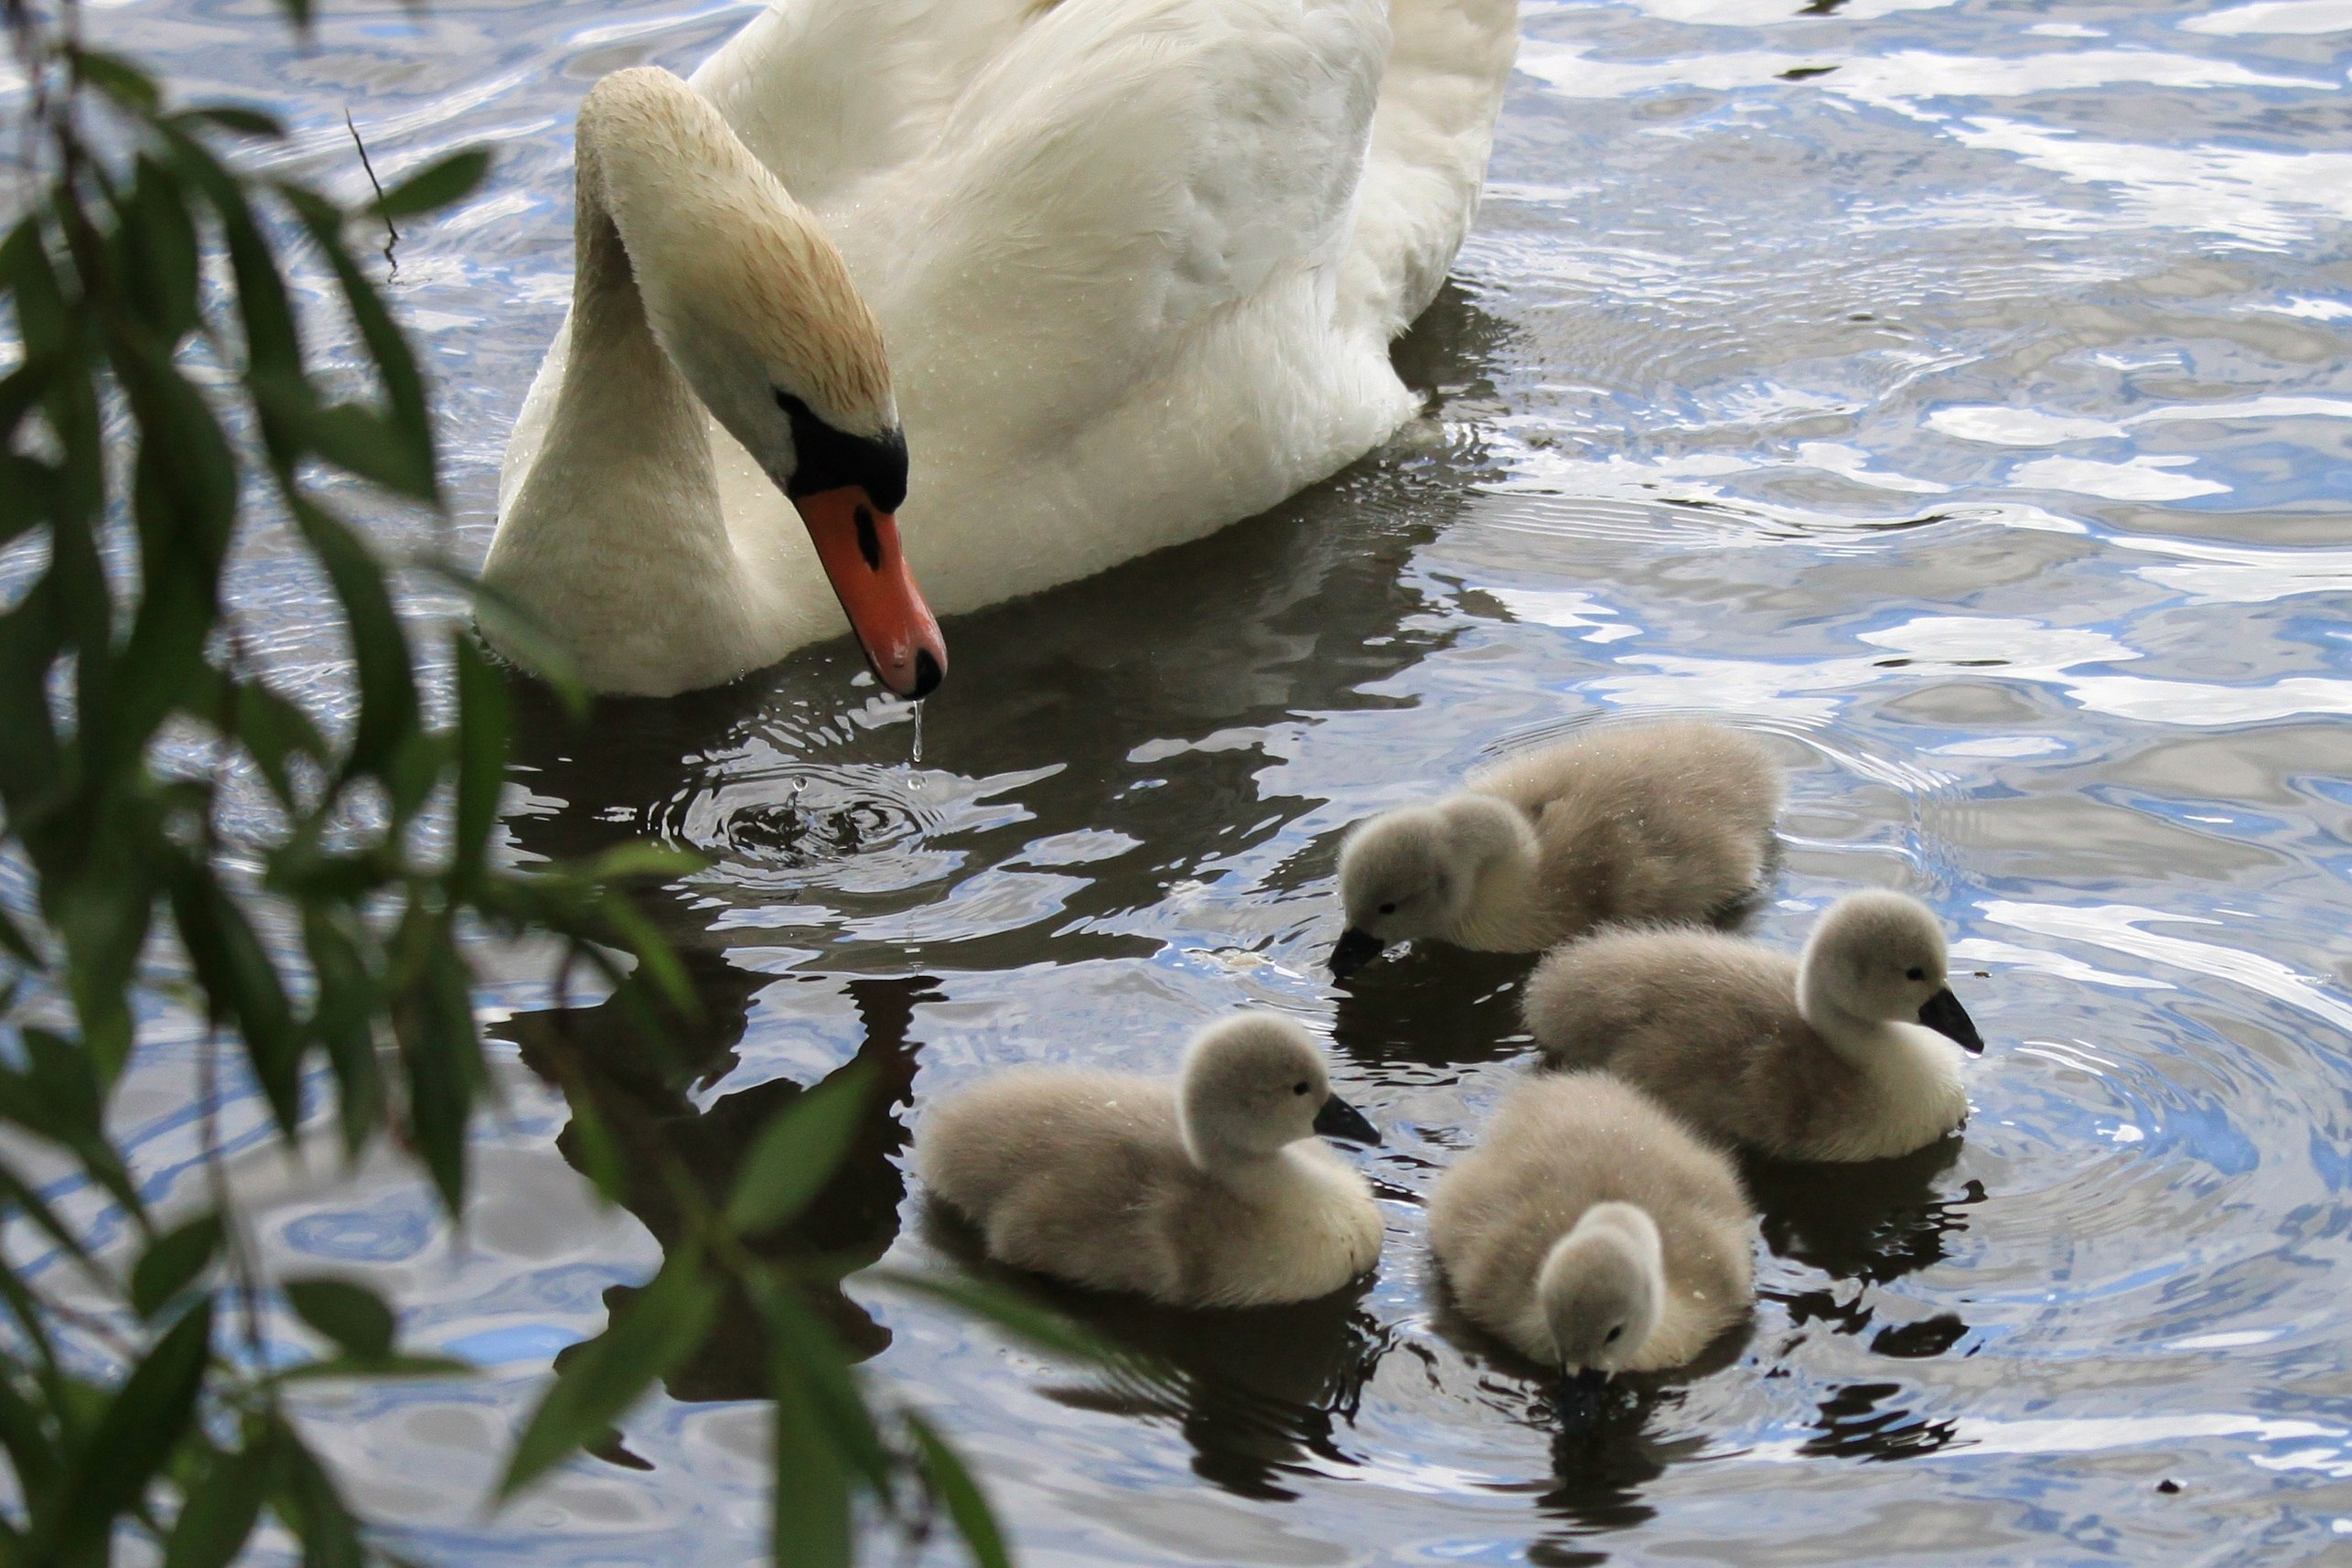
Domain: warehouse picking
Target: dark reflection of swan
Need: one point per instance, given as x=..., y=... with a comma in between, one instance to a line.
x=1254, y=1390
x=1445, y=1007
x=643, y=1098
x=1861, y=1420
x=1870, y=1224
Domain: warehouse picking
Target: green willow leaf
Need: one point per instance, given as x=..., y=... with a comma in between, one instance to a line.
x=953, y=1485
x=241, y=118
x=221, y=1510
x=798, y=1152
x=440, y=1045
x=376, y=1367
x=353, y=1316
x=810, y=1507
x=141, y=1425
x=117, y=78
x=32, y=1452
x=1043, y=1329
x=241, y=985
x=308, y=1503
x=483, y=723
x=172, y=1262
x=803, y=1339
x=388, y=704
x=453, y=178
x=650, y=1337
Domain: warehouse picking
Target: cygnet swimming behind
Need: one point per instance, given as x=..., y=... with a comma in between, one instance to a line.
x=1659, y=822
x=1851, y=1053
x=1206, y=1190
x=1591, y=1231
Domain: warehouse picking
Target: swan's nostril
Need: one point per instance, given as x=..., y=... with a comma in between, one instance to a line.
x=927, y=675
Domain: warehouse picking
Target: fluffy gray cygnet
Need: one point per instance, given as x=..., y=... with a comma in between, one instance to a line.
x=1206, y=1190
x=1592, y=1231
x=1657, y=821
x=1852, y=1052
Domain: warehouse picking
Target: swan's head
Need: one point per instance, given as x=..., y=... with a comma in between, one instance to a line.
x=1880, y=955
x=1255, y=1083
x=755, y=306
x=1600, y=1289
x=1415, y=872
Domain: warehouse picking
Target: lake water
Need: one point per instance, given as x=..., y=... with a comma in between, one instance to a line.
x=1955, y=391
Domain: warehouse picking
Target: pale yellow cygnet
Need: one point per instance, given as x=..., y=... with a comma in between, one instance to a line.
x=1638, y=822
x=1852, y=1052
x=1592, y=1231
x=1210, y=1189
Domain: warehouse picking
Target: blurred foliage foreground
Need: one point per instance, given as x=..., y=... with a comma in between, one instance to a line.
x=157, y=395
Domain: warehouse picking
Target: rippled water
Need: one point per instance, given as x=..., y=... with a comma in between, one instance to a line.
x=1956, y=392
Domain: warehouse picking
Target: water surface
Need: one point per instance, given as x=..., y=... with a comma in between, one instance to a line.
x=1954, y=391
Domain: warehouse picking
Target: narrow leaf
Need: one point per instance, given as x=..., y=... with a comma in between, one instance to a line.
x=656, y=1331
x=219, y=1514
x=811, y=1503
x=241, y=118
x=953, y=1485
x=172, y=1262
x=141, y=1425
x=483, y=723
x=351, y=1314
x=1044, y=1330
x=798, y=1152
x=452, y=180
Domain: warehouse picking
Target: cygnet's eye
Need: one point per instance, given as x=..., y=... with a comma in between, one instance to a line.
x=1916, y=972
x=1298, y=1088
x=1389, y=907
x=1611, y=1336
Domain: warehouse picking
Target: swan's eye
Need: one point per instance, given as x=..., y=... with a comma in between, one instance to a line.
x=1611, y=1336
x=1916, y=972
x=1389, y=907
x=1298, y=1088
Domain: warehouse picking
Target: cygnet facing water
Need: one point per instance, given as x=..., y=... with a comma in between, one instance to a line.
x=1592, y=1231
x=1204, y=1190
x=1823, y=1057
x=1659, y=822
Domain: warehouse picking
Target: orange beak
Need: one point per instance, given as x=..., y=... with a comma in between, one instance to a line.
x=859, y=549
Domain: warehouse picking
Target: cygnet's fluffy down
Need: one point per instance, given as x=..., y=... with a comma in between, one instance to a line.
x=1206, y=1190
x=1591, y=1231
x=1851, y=1053
x=1657, y=822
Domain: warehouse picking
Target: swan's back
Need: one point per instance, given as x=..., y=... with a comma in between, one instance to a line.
x=1657, y=822
x=1558, y=1145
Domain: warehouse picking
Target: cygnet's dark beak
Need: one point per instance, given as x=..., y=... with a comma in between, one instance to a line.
x=1354, y=949
x=1589, y=1380
x=1337, y=1119
x=1944, y=1014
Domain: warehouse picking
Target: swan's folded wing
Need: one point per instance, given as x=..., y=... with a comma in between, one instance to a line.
x=1445, y=76
x=830, y=93
x=1122, y=174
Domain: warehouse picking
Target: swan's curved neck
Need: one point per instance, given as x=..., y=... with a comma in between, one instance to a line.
x=622, y=502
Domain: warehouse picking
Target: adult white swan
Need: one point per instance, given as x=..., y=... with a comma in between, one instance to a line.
x=1137, y=263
